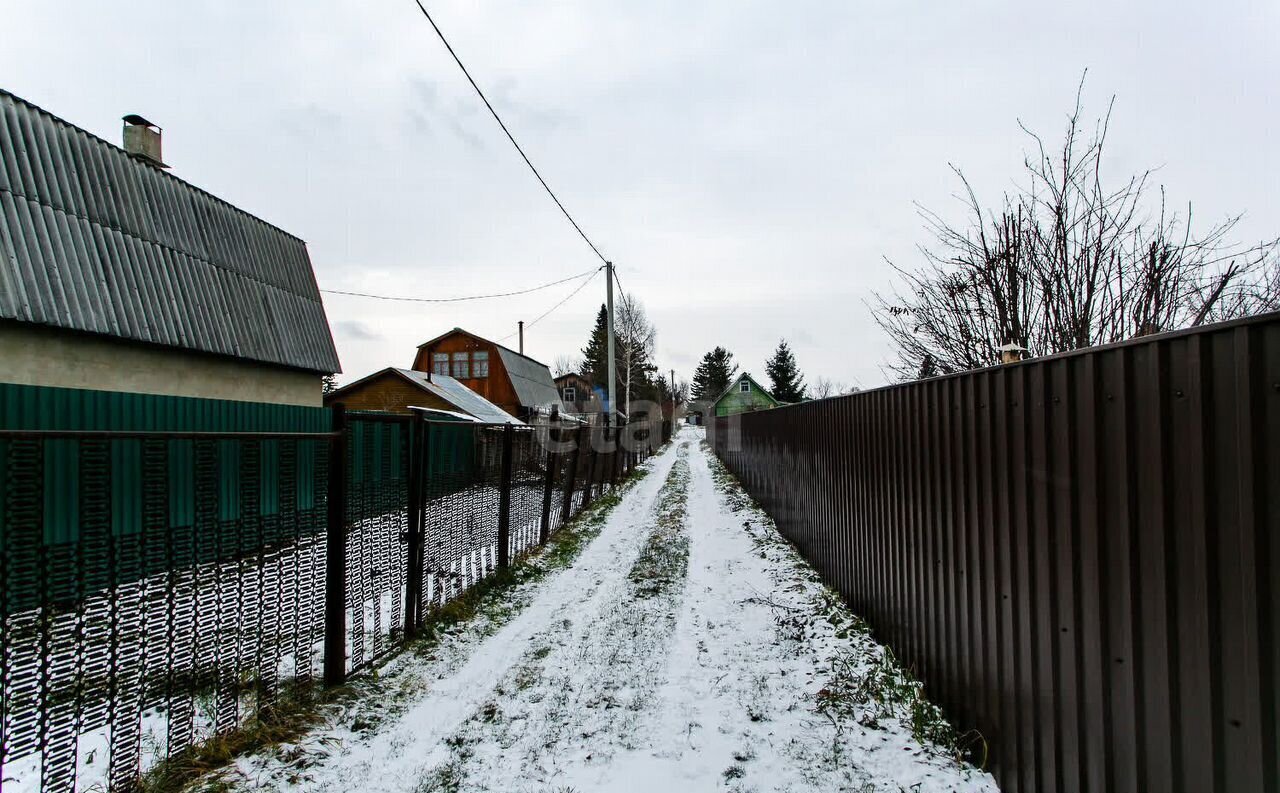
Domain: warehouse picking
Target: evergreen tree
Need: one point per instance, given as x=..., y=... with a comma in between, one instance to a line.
x=713, y=374
x=633, y=350
x=633, y=340
x=329, y=383
x=786, y=382
x=595, y=356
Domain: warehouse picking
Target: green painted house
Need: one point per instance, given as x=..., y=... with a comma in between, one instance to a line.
x=744, y=394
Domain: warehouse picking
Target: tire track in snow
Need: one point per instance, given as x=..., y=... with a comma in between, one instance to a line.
x=397, y=756
x=738, y=708
x=585, y=686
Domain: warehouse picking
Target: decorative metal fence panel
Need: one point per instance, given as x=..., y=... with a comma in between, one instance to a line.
x=1075, y=553
x=377, y=519
x=186, y=596
x=527, y=482
x=501, y=491
x=158, y=588
x=461, y=509
x=583, y=465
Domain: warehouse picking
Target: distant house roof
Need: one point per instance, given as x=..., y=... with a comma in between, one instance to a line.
x=92, y=239
x=531, y=379
x=466, y=401
x=566, y=377
x=698, y=405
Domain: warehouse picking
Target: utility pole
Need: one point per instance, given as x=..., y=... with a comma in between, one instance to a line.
x=613, y=372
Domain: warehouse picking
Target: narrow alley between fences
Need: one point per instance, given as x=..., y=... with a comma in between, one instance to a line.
x=687, y=647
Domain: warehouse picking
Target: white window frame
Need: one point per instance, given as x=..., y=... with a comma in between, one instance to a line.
x=480, y=364
x=440, y=363
x=744, y=387
x=570, y=394
x=461, y=366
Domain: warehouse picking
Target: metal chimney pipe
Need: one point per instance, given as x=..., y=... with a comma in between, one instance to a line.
x=521, y=323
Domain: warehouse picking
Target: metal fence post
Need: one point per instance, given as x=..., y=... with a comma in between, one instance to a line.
x=617, y=454
x=553, y=462
x=591, y=467
x=571, y=478
x=504, y=500
x=335, y=593
x=419, y=433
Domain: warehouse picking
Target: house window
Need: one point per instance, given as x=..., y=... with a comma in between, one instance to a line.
x=461, y=366
x=480, y=364
x=570, y=394
x=745, y=387
x=440, y=363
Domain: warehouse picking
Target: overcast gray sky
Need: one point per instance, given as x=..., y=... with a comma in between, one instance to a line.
x=747, y=165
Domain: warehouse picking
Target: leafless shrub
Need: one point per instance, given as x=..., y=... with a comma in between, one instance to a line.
x=1068, y=260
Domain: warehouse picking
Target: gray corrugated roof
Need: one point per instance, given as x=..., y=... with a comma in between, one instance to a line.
x=93, y=240
x=461, y=397
x=531, y=380
x=436, y=414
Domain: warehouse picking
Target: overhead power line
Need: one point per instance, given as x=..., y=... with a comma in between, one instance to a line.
x=510, y=137
x=618, y=282
x=566, y=299
x=465, y=298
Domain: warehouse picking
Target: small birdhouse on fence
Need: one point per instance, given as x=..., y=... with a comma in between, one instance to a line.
x=1013, y=352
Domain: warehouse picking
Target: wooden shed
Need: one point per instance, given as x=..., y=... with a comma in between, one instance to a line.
x=394, y=390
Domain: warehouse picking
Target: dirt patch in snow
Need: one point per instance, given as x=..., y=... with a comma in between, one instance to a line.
x=580, y=694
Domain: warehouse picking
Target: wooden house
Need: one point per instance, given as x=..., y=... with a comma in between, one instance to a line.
x=578, y=397
x=743, y=395
x=514, y=382
x=404, y=390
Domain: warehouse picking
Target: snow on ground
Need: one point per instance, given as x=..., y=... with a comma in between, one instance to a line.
x=689, y=648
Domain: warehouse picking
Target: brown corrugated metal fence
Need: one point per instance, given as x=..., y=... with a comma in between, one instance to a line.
x=1074, y=553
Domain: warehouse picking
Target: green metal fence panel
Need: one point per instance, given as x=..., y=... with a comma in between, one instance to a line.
x=25, y=407
x=451, y=457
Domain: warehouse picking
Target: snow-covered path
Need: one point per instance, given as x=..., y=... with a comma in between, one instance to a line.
x=687, y=649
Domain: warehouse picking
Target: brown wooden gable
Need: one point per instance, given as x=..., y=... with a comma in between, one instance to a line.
x=496, y=387
x=583, y=401
x=573, y=379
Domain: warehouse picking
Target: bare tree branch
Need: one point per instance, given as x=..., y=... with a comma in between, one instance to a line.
x=1070, y=260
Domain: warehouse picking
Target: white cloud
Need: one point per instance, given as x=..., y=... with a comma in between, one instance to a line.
x=747, y=165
